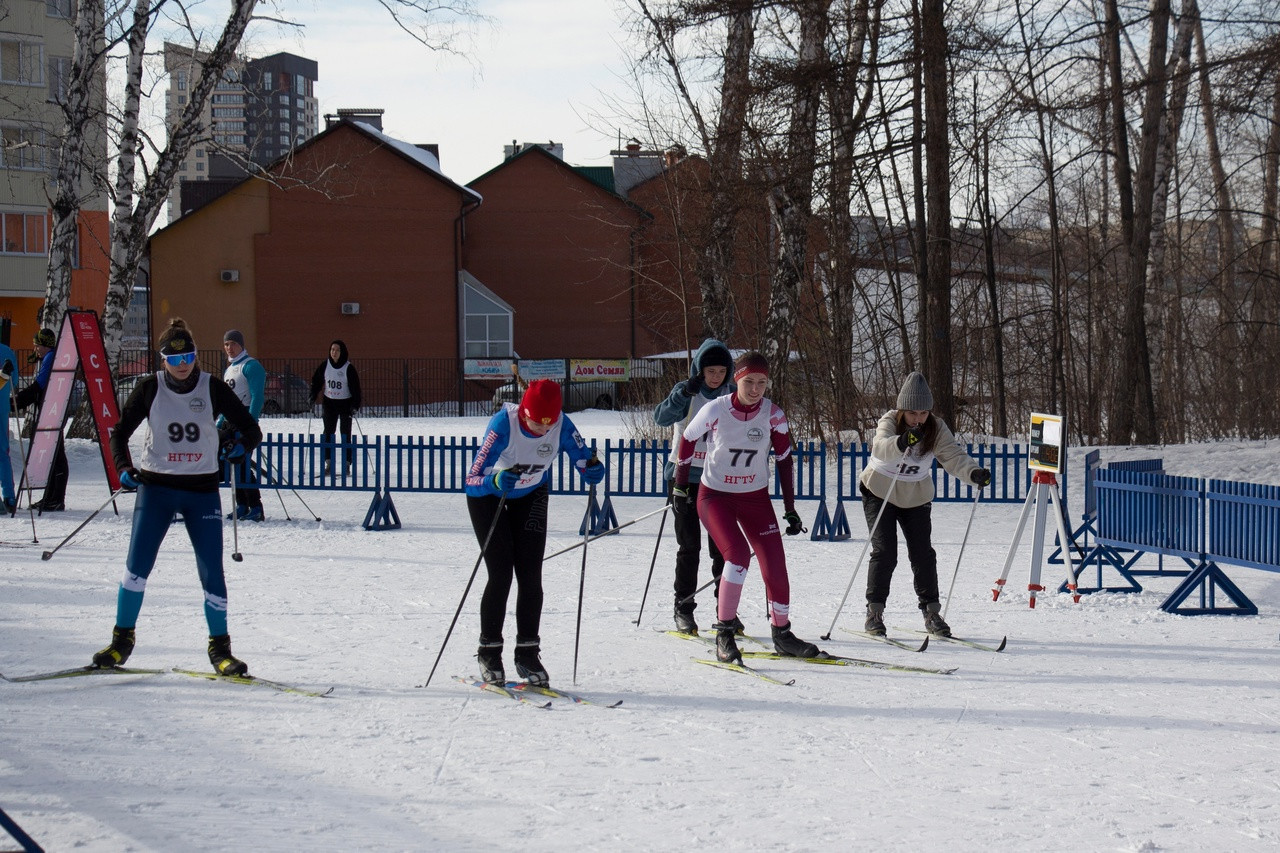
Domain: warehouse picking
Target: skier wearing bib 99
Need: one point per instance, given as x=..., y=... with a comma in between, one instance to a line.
x=733, y=499
x=179, y=473
x=709, y=379
x=507, y=489
x=907, y=441
x=336, y=387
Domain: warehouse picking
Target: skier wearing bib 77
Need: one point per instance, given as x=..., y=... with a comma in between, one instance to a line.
x=739, y=430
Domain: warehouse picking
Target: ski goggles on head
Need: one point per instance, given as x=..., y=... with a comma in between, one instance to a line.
x=178, y=359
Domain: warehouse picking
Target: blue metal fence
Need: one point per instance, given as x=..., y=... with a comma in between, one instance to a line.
x=1202, y=522
x=388, y=464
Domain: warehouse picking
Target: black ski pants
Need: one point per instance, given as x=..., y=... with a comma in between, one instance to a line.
x=335, y=414
x=515, y=551
x=917, y=529
x=689, y=542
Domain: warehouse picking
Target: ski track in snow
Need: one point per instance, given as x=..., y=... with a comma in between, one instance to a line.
x=1106, y=725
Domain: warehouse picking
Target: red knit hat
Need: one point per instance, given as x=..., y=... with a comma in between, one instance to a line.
x=541, y=402
x=750, y=362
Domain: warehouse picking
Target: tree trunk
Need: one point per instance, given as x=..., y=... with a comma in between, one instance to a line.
x=791, y=198
x=935, y=330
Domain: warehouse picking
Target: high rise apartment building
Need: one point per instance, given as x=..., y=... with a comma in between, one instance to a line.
x=260, y=110
x=36, y=45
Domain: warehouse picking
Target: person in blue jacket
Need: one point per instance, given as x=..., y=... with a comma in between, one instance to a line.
x=245, y=376
x=507, y=488
x=178, y=474
x=708, y=379
x=7, y=361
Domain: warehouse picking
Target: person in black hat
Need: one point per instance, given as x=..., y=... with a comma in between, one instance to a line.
x=708, y=379
x=55, y=491
x=179, y=474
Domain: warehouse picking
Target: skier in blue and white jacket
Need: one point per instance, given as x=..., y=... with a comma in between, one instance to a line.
x=507, y=488
x=708, y=379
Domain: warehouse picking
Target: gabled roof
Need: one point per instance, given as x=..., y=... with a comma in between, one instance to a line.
x=582, y=173
x=419, y=157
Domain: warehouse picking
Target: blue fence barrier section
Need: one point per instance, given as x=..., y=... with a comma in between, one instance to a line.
x=1201, y=522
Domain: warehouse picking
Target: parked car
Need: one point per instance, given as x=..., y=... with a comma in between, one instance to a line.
x=592, y=394
x=285, y=394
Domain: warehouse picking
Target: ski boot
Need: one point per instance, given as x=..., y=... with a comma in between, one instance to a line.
x=933, y=621
x=119, y=650
x=528, y=664
x=489, y=655
x=789, y=645
x=224, y=663
x=726, y=646
x=875, y=620
x=685, y=623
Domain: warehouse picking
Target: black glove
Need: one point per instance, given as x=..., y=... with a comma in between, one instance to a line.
x=980, y=477
x=910, y=437
x=693, y=385
x=680, y=499
x=230, y=447
x=792, y=518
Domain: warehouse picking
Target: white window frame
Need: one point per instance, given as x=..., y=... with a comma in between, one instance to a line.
x=30, y=61
x=481, y=307
x=17, y=244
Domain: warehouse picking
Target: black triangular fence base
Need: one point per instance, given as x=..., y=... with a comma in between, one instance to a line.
x=1210, y=582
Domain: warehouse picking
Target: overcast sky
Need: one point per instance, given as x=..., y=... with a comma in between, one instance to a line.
x=537, y=74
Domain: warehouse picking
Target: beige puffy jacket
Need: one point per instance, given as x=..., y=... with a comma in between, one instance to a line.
x=909, y=493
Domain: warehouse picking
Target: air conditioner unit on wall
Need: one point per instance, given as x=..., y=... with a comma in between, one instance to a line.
x=230, y=275
x=351, y=308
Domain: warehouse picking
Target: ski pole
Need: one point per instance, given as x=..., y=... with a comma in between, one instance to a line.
x=582, y=575
x=609, y=532
x=691, y=596
x=280, y=480
x=493, y=525
x=977, y=493
x=662, y=526
x=893, y=481
x=235, y=522
x=48, y=555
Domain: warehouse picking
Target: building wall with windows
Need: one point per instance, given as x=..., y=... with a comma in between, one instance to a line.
x=36, y=44
x=261, y=110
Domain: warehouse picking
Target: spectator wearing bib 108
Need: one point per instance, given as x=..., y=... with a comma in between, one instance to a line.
x=336, y=387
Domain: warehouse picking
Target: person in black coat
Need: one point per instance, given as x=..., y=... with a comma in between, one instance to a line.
x=336, y=387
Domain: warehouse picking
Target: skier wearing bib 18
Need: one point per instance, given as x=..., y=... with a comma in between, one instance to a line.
x=907, y=441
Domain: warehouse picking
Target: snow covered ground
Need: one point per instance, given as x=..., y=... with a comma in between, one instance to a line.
x=1106, y=725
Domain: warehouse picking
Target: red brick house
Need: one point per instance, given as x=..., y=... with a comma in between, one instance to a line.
x=559, y=248
x=356, y=236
